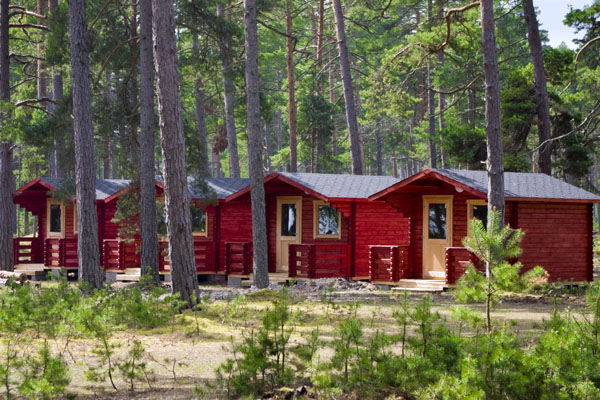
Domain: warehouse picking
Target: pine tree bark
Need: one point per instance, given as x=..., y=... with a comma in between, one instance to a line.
x=268, y=149
x=177, y=202
x=320, y=39
x=148, y=224
x=291, y=82
x=441, y=117
x=203, y=168
x=57, y=95
x=41, y=63
x=431, y=118
x=106, y=142
x=441, y=95
x=6, y=158
x=379, y=147
x=229, y=94
x=257, y=191
x=541, y=92
x=351, y=119
x=495, y=155
x=331, y=79
x=431, y=104
x=85, y=174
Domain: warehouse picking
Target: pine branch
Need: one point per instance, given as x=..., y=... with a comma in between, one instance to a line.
x=31, y=26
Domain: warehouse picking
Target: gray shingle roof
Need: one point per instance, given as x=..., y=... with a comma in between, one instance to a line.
x=104, y=187
x=521, y=184
x=342, y=186
x=222, y=187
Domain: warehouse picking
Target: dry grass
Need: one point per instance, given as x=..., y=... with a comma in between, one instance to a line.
x=183, y=357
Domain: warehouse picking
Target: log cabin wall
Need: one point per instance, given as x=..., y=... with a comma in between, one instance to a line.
x=377, y=223
x=307, y=234
x=557, y=237
x=235, y=226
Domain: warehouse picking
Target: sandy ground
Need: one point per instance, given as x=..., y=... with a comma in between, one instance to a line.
x=182, y=358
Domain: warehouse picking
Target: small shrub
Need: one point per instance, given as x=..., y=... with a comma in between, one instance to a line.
x=44, y=376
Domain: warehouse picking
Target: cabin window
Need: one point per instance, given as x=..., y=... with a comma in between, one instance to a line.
x=437, y=221
x=476, y=209
x=288, y=219
x=327, y=221
x=55, y=219
x=198, y=221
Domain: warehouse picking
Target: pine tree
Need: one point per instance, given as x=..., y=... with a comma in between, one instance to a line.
x=85, y=174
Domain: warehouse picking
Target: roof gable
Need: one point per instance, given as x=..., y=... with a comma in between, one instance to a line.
x=524, y=185
x=517, y=185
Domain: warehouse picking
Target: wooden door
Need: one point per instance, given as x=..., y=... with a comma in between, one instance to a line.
x=437, y=235
x=289, y=228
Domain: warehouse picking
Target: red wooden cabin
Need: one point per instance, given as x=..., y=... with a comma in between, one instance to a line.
x=555, y=216
x=321, y=225
x=54, y=244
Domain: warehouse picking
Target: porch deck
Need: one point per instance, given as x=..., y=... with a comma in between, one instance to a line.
x=388, y=264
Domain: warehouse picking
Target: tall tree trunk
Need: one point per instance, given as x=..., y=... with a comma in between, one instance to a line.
x=279, y=134
x=361, y=136
x=431, y=103
x=441, y=117
x=320, y=38
x=6, y=159
x=379, y=147
x=106, y=142
x=177, y=202
x=58, y=149
x=257, y=191
x=431, y=118
x=314, y=30
x=541, y=92
x=331, y=78
x=203, y=169
x=41, y=63
x=229, y=89
x=148, y=224
x=268, y=149
x=472, y=101
x=351, y=119
x=85, y=174
x=495, y=155
x=441, y=95
x=291, y=81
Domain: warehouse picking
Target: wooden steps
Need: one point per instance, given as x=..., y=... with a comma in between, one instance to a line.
x=274, y=277
x=34, y=272
x=419, y=285
x=130, y=275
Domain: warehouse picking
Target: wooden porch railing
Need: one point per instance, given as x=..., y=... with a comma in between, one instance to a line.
x=28, y=250
x=457, y=260
x=120, y=254
x=238, y=258
x=388, y=263
x=61, y=253
x=203, y=255
x=315, y=261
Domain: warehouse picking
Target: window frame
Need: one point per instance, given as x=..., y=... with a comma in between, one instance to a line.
x=201, y=234
x=470, y=204
x=316, y=234
x=50, y=234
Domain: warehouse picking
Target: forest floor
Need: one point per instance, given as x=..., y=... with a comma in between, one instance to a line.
x=183, y=357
